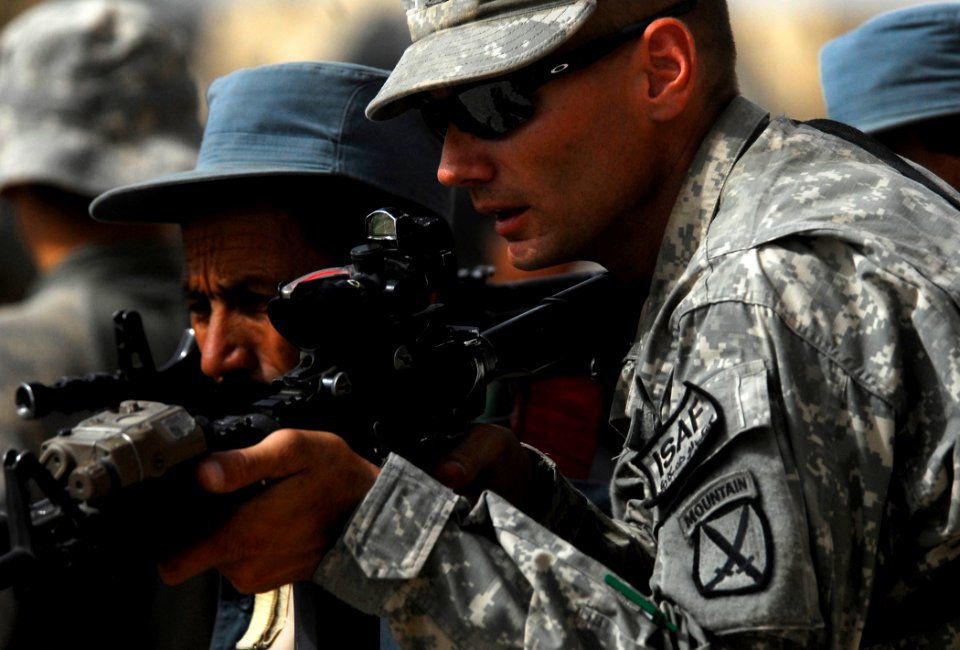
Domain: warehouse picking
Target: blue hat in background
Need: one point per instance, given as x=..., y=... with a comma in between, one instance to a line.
x=895, y=69
x=291, y=123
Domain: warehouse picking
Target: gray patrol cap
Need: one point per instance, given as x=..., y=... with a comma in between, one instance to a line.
x=94, y=94
x=284, y=128
x=459, y=41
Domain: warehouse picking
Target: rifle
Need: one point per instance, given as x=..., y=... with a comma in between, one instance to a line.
x=397, y=350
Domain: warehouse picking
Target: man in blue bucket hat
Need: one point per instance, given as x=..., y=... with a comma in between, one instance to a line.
x=897, y=77
x=288, y=169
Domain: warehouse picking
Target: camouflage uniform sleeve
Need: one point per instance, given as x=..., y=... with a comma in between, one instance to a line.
x=789, y=455
x=449, y=575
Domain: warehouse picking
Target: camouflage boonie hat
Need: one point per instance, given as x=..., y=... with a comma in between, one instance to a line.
x=94, y=94
x=459, y=41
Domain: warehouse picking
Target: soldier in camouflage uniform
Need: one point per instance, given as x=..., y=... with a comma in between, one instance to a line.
x=93, y=93
x=789, y=407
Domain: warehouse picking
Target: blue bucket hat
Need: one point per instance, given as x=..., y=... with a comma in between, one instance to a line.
x=895, y=69
x=291, y=123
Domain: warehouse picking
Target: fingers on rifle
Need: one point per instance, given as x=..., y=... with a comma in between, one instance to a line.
x=210, y=474
x=182, y=567
x=483, y=447
x=452, y=473
x=273, y=457
x=250, y=577
x=189, y=563
x=226, y=545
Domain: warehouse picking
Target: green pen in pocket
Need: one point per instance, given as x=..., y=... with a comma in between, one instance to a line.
x=651, y=610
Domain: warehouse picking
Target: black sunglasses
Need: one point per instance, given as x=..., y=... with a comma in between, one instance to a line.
x=492, y=109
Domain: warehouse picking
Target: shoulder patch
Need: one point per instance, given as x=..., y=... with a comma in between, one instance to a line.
x=678, y=441
x=731, y=536
x=715, y=496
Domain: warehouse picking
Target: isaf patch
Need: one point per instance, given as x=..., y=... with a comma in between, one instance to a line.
x=680, y=439
x=731, y=536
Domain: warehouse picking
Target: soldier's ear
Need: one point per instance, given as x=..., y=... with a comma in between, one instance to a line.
x=666, y=57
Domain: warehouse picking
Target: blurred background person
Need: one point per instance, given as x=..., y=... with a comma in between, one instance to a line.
x=93, y=94
x=897, y=77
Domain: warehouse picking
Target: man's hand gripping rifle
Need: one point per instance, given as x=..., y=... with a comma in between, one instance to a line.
x=397, y=350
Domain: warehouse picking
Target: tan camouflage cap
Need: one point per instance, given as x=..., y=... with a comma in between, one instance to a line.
x=458, y=41
x=94, y=94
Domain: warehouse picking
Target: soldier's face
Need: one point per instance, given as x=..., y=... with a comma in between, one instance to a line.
x=234, y=263
x=567, y=184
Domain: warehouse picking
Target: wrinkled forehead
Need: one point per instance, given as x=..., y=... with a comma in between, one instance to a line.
x=254, y=251
x=232, y=239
